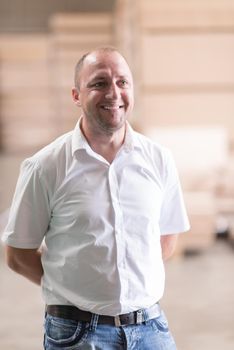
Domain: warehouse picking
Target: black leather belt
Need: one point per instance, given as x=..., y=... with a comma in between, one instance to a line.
x=73, y=313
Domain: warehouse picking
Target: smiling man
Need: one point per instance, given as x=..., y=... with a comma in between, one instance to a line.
x=104, y=91
x=107, y=202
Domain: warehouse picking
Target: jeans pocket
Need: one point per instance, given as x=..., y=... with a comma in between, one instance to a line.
x=62, y=332
x=160, y=323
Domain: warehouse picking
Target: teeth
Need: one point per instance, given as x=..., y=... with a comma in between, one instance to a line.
x=111, y=107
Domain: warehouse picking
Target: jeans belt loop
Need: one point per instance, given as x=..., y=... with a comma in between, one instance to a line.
x=93, y=322
x=117, y=321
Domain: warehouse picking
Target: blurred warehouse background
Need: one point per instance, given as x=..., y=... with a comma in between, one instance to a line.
x=181, y=53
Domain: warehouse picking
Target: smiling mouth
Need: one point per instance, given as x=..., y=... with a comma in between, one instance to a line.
x=111, y=107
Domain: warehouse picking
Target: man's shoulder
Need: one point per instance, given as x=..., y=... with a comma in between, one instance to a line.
x=150, y=146
x=52, y=155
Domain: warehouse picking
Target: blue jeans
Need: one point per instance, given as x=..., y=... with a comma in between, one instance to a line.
x=72, y=335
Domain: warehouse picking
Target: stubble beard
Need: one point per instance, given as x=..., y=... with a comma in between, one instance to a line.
x=101, y=125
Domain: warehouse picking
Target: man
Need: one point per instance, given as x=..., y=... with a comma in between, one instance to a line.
x=108, y=204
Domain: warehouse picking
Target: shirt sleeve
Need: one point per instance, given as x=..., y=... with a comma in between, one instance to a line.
x=173, y=216
x=30, y=211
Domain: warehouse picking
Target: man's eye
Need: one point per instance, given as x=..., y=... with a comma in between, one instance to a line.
x=99, y=84
x=123, y=82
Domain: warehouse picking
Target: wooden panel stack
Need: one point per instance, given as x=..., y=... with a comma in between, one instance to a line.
x=24, y=88
x=187, y=62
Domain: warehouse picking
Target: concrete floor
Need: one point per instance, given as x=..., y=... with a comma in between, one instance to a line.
x=199, y=299
x=199, y=296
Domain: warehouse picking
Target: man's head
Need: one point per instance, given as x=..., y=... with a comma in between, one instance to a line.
x=104, y=89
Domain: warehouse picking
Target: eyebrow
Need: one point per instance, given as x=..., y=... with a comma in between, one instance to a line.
x=103, y=77
x=99, y=77
x=95, y=79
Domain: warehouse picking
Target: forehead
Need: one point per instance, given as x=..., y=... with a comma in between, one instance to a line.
x=105, y=63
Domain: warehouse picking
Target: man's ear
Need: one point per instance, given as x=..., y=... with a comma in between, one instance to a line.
x=76, y=96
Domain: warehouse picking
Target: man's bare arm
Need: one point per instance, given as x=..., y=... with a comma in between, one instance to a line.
x=168, y=244
x=26, y=262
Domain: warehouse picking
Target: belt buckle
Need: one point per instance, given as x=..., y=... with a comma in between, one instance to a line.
x=117, y=321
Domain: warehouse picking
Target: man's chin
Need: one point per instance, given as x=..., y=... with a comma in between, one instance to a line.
x=113, y=126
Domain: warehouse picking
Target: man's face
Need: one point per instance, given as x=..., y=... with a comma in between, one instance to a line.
x=105, y=91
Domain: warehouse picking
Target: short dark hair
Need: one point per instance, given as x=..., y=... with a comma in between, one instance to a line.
x=80, y=63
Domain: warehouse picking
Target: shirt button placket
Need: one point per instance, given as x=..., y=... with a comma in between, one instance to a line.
x=118, y=217
x=119, y=236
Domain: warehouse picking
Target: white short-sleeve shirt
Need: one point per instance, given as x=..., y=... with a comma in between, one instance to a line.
x=101, y=223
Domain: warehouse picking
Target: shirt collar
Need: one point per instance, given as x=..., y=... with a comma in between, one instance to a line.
x=131, y=140
x=79, y=141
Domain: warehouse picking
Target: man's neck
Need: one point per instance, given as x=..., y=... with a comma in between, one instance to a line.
x=105, y=144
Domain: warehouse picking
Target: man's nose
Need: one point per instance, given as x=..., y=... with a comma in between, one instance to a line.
x=112, y=92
